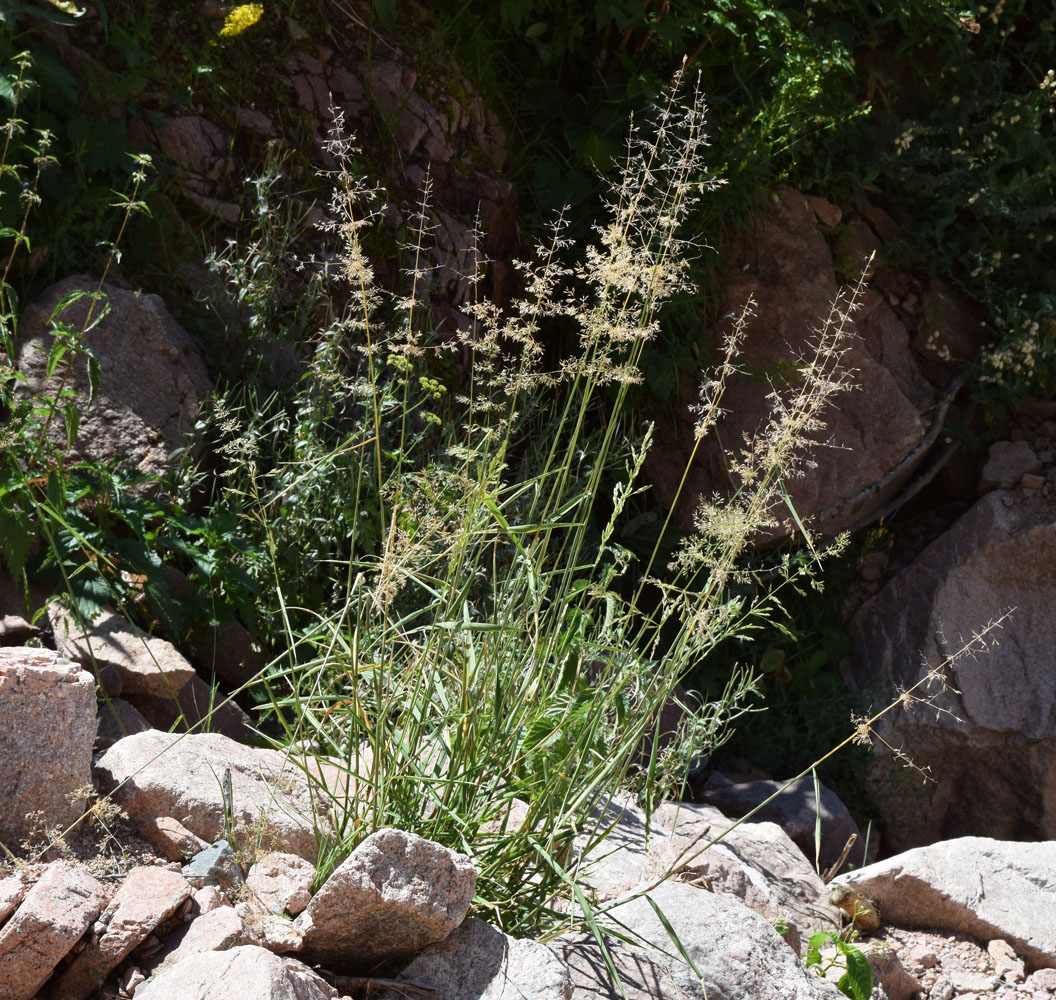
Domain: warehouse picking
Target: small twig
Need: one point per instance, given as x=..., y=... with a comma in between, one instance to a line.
x=830, y=873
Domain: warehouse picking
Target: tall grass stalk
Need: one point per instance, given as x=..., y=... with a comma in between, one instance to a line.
x=484, y=670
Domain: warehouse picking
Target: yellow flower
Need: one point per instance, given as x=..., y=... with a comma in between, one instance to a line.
x=241, y=17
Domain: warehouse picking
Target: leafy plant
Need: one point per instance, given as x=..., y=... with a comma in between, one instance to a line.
x=857, y=979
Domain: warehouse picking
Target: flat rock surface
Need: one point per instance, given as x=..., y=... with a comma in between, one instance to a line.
x=147, y=897
x=47, y=725
x=394, y=895
x=737, y=952
x=974, y=885
x=52, y=917
x=216, y=930
x=248, y=972
x=281, y=883
x=165, y=774
x=642, y=976
x=479, y=962
x=147, y=664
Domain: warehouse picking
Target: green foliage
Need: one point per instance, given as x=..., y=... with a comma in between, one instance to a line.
x=857, y=979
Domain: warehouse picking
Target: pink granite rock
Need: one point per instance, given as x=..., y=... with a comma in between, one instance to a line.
x=53, y=916
x=393, y=896
x=165, y=774
x=171, y=838
x=147, y=897
x=281, y=883
x=47, y=725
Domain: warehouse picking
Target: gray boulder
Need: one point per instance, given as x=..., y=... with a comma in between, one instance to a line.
x=972, y=885
x=249, y=972
x=736, y=952
x=152, y=375
x=394, y=895
x=47, y=725
x=478, y=962
x=986, y=738
x=641, y=975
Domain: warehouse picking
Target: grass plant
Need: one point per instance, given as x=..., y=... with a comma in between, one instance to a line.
x=481, y=662
x=430, y=517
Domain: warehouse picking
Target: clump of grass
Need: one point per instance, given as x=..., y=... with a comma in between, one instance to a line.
x=481, y=663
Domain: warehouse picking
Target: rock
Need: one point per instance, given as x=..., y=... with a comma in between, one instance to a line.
x=12, y=890
x=641, y=976
x=256, y=974
x=141, y=419
x=196, y=707
x=268, y=930
x=479, y=962
x=117, y=719
x=1007, y=964
x=147, y=664
x=281, y=883
x=207, y=899
x=972, y=885
x=782, y=260
x=757, y=863
x=1008, y=463
x=164, y=774
x=147, y=897
x=52, y=917
x=215, y=930
x=216, y=865
x=737, y=952
x=171, y=838
x=987, y=735
x=618, y=862
x=47, y=722
x=394, y=895
x=195, y=144
x=15, y=627
x=889, y=974
x=795, y=810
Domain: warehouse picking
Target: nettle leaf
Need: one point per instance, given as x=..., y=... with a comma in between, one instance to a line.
x=16, y=539
x=857, y=981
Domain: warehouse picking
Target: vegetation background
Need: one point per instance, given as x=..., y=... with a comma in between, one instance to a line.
x=395, y=529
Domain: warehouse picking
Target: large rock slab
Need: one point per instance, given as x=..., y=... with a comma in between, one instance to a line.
x=737, y=952
x=987, y=738
x=51, y=919
x=249, y=972
x=147, y=897
x=152, y=374
x=147, y=664
x=479, y=962
x=757, y=863
x=47, y=725
x=217, y=929
x=394, y=895
x=641, y=975
x=796, y=810
x=973, y=885
x=155, y=774
x=783, y=262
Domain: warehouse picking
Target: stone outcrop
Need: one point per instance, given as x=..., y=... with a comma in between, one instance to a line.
x=52, y=917
x=147, y=897
x=974, y=885
x=985, y=731
x=478, y=962
x=139, y=419
x=246, y=971
x=394, y=895
x=783, y=262
x=736, y=952
x=146, y=664
x=47, y=726
x=161, y=774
